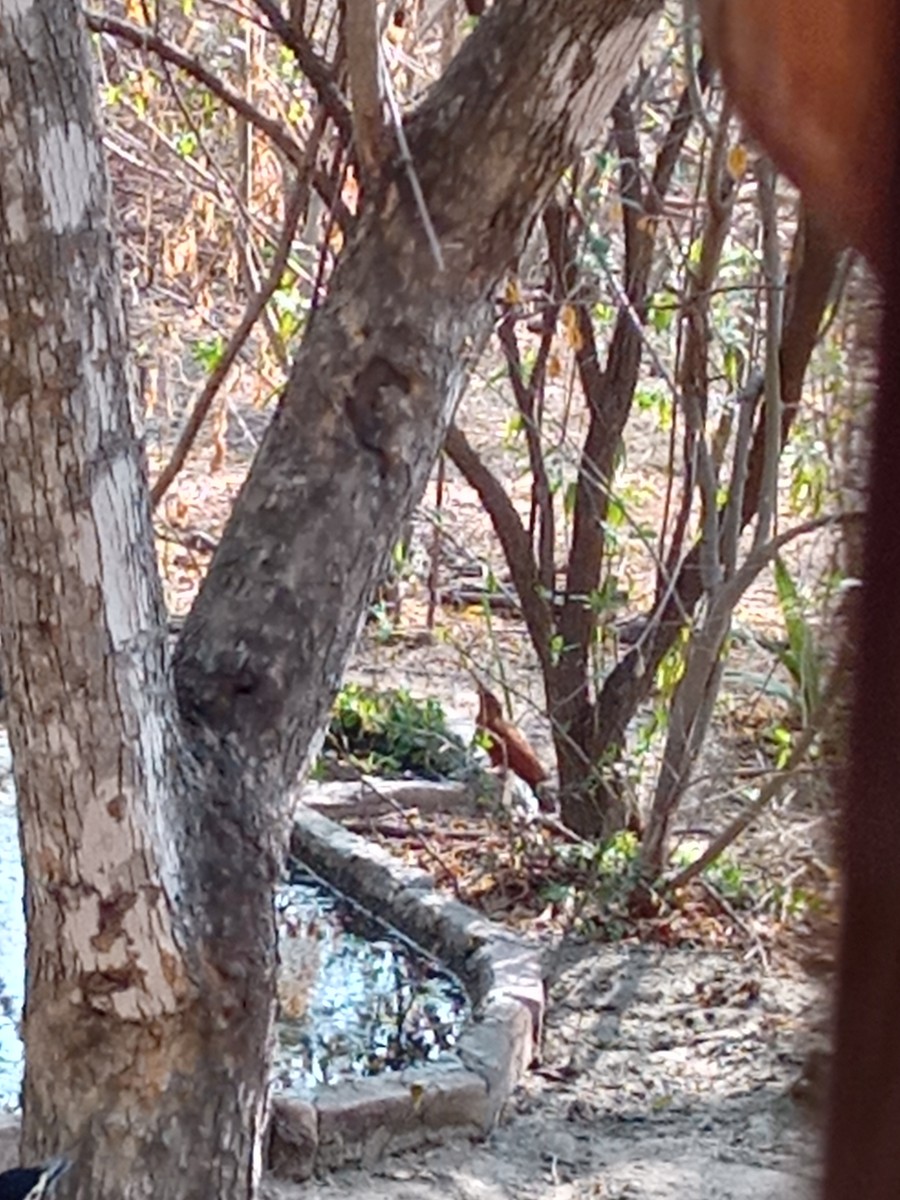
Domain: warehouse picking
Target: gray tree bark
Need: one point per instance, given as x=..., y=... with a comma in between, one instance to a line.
x=154, y=803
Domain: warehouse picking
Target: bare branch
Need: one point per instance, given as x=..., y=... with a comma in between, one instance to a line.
x=513, y=537
x=312, y=66
x=525, y=394
x=361, y=39
x=141, y=38
x=768, y=493
x=293, y=210
x=799, y=751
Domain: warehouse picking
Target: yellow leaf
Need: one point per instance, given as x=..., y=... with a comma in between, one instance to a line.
x=574, y=340
x=512, y=293
x=554, y=366
x=737, y=161
x=350, y=190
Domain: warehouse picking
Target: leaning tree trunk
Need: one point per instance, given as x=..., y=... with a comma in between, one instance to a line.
x=153, y=819
x=148, y=1009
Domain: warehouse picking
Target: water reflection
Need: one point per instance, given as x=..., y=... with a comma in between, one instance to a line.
x=373, y=1002
x=355, y=998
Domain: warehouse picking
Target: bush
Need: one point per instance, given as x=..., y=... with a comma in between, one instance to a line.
x=390, y=733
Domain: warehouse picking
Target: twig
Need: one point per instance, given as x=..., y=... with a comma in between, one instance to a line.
x=434, y=569
x=295, y=206
x=312, y=65
x=415, y=833
x=391, y=829
x=142, y=39
x=768, y=490
x=728, y=909
x=773, y=787
x=554, y=825
x=362, y=42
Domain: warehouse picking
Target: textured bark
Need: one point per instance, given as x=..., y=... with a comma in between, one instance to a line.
x=146, y=1051
x=154, y=815
x=381, y=368
x=591, y=801
x=609, y=393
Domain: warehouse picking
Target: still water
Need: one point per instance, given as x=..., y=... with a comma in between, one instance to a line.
x=355, y=997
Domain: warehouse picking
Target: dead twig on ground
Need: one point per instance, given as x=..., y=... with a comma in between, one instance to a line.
x=415, y=832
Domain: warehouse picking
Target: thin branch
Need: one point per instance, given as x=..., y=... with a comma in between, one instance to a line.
x=142, y=39
x=692, y=708
x=730, y=521
x=362, y=47
x=513, y=538
x=412, y=822
x=767, y=793
x=312, y=66
x=525, y=393
x=768, y=491
x=812, y=276
x=293, y=210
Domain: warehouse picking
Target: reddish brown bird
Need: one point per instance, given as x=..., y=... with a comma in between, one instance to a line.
x=508, y=747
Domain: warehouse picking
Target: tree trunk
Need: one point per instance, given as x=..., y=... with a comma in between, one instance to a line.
x=149, y=1007
x=383, y=365
x=153, y=818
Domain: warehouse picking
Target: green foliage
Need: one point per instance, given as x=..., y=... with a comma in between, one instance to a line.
x=207, y=352
x=187, y=143
x=391, y=733
x=810, y=475
x=661, y=313
x=612, y=865
x=655, y=400
x=748, y=888
x=618, y=855
x=671, y=667
x=782, y=742
x=514, y=430
x=801, y=657
x=383, y=614
x=290, y=308
x=557, y=645
x=609, y=598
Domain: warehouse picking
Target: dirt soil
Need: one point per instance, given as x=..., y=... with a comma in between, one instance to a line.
x=665, y=1075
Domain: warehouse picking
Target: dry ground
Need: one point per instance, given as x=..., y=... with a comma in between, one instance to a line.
x=665, y=1076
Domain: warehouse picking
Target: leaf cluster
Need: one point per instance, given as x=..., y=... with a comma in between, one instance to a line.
x=391, y=733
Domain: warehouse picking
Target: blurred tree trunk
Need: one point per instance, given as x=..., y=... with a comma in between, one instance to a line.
x=154, y=797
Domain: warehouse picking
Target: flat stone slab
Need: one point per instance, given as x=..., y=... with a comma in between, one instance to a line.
x=361, y=798
x=359, y=1121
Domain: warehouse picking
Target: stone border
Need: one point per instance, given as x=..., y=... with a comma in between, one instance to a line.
x=360, y=1120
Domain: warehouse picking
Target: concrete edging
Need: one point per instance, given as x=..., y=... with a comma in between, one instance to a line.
x=360, y=1120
